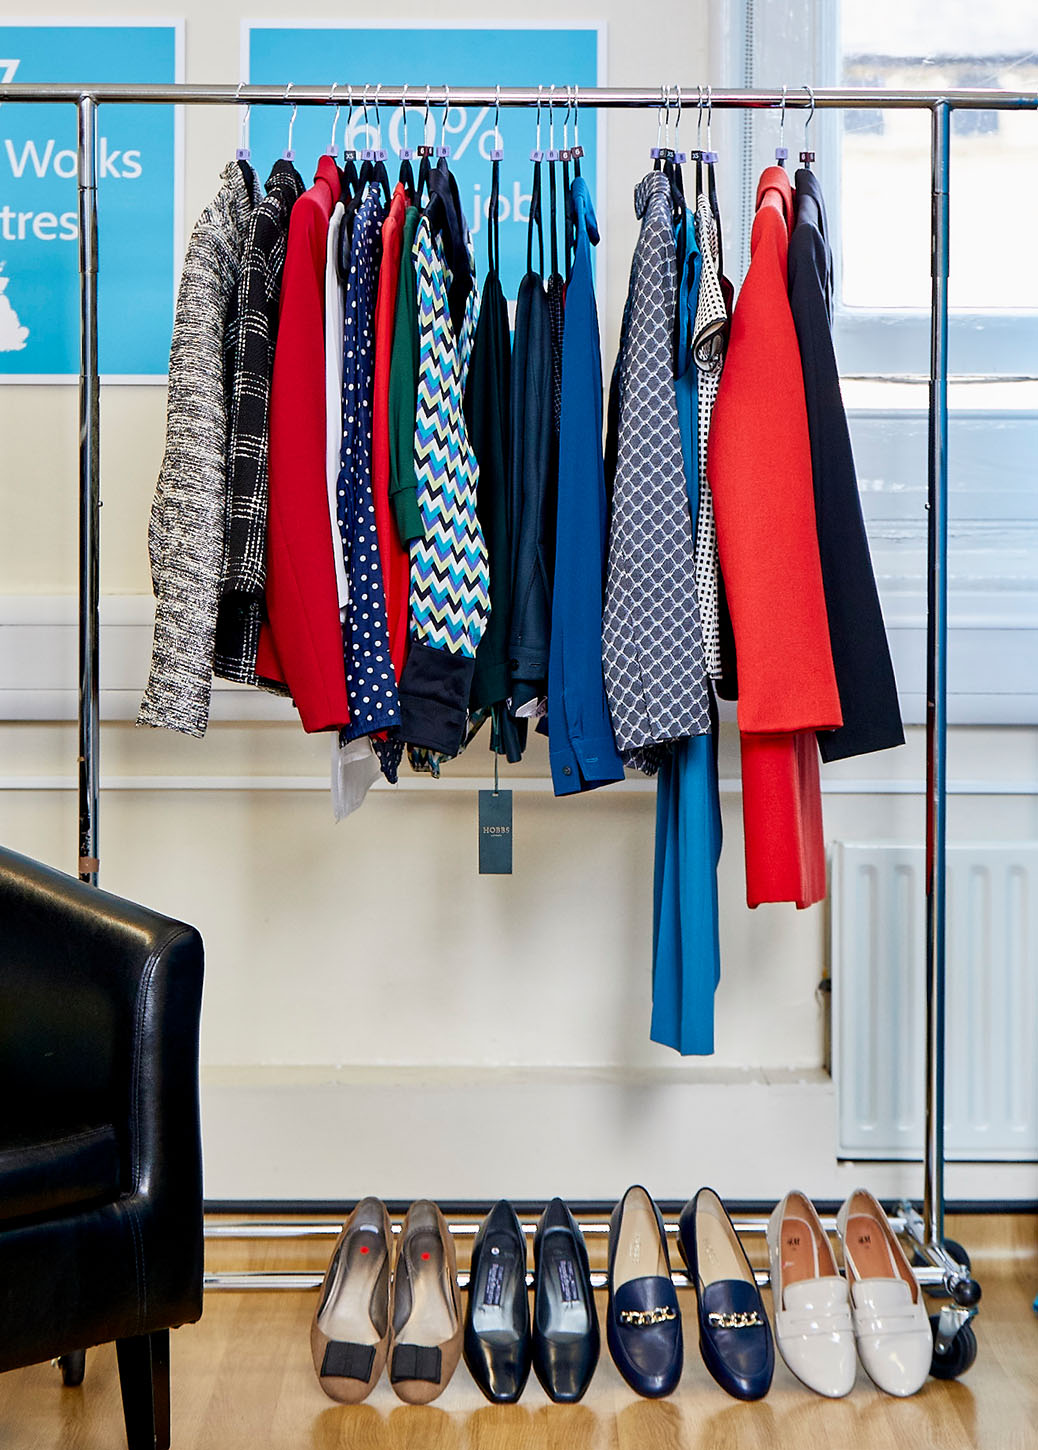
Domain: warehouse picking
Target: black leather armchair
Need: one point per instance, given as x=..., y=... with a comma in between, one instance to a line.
x=100, y=1150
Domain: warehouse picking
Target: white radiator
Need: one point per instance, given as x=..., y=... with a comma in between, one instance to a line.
x=879, y=1015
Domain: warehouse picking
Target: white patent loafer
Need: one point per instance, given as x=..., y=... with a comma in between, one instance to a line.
x=891, y=1325
x=813, y=1327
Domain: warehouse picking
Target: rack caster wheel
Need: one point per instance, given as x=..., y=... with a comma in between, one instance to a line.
x=961, y=1257
x=959, y=1355
x=73, y=1368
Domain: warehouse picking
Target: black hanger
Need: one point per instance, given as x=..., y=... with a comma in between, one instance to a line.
x=535, y=220
x=426, y=151
x=405, y=176
x=535, y=217
x=493, y=227
x=552, y=158
x=569, y=224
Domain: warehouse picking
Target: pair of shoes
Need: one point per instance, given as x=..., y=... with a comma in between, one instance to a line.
x=643, y=1321
x=500, y=1343
x=819, y=1317
x=366, y=1314
x=734, y=1334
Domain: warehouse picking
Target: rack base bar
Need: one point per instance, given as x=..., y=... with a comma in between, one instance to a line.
x=266, y=1279
x=940, y=1272
x=278, y=1229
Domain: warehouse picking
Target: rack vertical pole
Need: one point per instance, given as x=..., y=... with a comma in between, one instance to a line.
x=89, y=492
x=936, y=677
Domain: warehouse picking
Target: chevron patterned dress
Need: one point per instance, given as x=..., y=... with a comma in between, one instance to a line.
x=450, y=584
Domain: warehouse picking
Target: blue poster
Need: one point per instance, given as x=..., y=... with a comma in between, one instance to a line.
x=137, y=201
x=438, y=56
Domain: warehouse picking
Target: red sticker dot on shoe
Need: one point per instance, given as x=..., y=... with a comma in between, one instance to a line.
x=364, y=1249
x=426, y=1255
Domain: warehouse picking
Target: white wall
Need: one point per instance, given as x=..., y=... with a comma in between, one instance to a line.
x=377, y=1016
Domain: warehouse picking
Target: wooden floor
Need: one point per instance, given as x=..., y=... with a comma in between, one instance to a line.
x=243, y=1380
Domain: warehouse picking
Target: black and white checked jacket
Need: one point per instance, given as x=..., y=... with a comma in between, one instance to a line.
x=249, y=355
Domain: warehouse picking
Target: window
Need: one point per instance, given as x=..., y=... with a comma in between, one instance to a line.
x=875, y=169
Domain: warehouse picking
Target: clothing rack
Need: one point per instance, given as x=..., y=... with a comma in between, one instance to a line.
x=927, y=1230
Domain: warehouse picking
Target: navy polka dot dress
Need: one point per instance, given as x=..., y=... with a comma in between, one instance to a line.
x=370, y=681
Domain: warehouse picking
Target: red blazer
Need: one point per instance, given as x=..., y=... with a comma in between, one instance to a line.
x=759, y=468
x=302, y=644
x=395, y=556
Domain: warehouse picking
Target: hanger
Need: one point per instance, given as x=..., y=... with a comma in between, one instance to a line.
x=425, y=150
x=367, y=164
x=569, y=223
x=443, y=150
x=349, y=173
x=807, y=156
x=664, y=157
x=552, y=157
x=379, y=174
x=406, y=176
x=710, y=157
x=493, y=209
x=781, y=150
x=333, y=150
x=289, y=154
x=243, y=153
x=578, y=150
x=537, y=157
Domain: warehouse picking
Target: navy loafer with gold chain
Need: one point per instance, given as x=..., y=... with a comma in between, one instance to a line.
x=643, y=1321
x=734, y=1334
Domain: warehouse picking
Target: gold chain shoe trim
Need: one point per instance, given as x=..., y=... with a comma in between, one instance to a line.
x=735, y=1321
x=642, y=1317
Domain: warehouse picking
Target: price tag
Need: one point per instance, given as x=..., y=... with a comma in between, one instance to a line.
x=495, y=832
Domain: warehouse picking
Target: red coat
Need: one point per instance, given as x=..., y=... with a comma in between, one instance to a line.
x=759, y=467
x=302, y=644
x=395, y=556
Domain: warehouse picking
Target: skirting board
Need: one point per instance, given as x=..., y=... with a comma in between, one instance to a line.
x=282, y=1133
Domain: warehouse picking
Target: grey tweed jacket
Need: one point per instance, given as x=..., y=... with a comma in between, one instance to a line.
x=186, y=533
